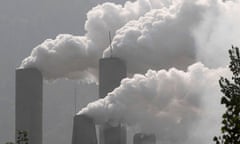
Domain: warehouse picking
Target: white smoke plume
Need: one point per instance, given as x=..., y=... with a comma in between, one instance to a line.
x=74, y=56
x=167, y=103
x=162, y=38
x=153, y=34
x=147, y=34
x=179, y=35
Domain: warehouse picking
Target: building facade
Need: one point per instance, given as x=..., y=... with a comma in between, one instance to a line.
x=28, y=106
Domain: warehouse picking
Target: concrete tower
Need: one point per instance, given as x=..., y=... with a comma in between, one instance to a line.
x=111, y=72
x=84, y=131
x=141, y=138
x=28, y=106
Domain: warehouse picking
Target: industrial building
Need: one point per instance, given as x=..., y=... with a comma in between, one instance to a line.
x=111, y=71
x=84, y=131
x=28, y=106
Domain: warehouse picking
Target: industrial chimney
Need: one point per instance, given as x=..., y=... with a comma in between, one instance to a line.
x=111, y=71
x=141, y=138
x=84, y=131
x=28, y=106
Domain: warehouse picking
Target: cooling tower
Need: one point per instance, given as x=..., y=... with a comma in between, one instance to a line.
x=28, y=106
x=84, y=131
x=111, y=72
x=141, y=138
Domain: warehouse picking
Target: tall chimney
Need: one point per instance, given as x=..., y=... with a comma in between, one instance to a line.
x=111, y=71
x=28, y=106
x=84, y=131
x=141, y=138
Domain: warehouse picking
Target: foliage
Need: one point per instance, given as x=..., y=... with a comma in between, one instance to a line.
x=230, y=130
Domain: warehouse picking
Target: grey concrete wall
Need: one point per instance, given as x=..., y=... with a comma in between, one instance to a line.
x=111, y=72
x=29, y=104
x=84, y=131
x=141, y=138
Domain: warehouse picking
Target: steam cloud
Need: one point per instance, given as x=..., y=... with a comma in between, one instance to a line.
x=167, y=103
x=75, y=56
x=147, y=34
x=161, y=38
x=153, y=34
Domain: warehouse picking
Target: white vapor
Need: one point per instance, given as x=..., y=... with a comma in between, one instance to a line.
x=75, y=56
x=180, y=101
x=162, y=38
x=218, y=30
x=147, y=34
x=167, y=103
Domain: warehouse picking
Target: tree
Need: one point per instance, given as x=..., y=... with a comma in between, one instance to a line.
x=230, y=130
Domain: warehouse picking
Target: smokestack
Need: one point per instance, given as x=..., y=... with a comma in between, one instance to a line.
x=141, y=138
x=84, y=131
x=110, y=135
x=28, y=106
x=112, y=71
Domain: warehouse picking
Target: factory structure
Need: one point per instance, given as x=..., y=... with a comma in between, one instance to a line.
x=29, y=109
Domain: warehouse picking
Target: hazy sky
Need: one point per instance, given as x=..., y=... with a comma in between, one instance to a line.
x=23, y=25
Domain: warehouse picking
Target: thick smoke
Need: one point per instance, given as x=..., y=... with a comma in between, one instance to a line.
x=153, y=34
x=217, y=31
x=147, y=34
x=61, y=56
x=162, y=38
x=167, y=103
x=74, y=56
x=179, y=35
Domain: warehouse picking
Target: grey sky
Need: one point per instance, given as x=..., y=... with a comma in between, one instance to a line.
x=23, y=25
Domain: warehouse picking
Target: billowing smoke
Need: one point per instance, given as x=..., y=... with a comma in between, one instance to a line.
x=75, y=56
x=62, y=56
x=162, y=38
x=177, y=105
x=179, y=35
x=167, y=103
x=147, y=34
